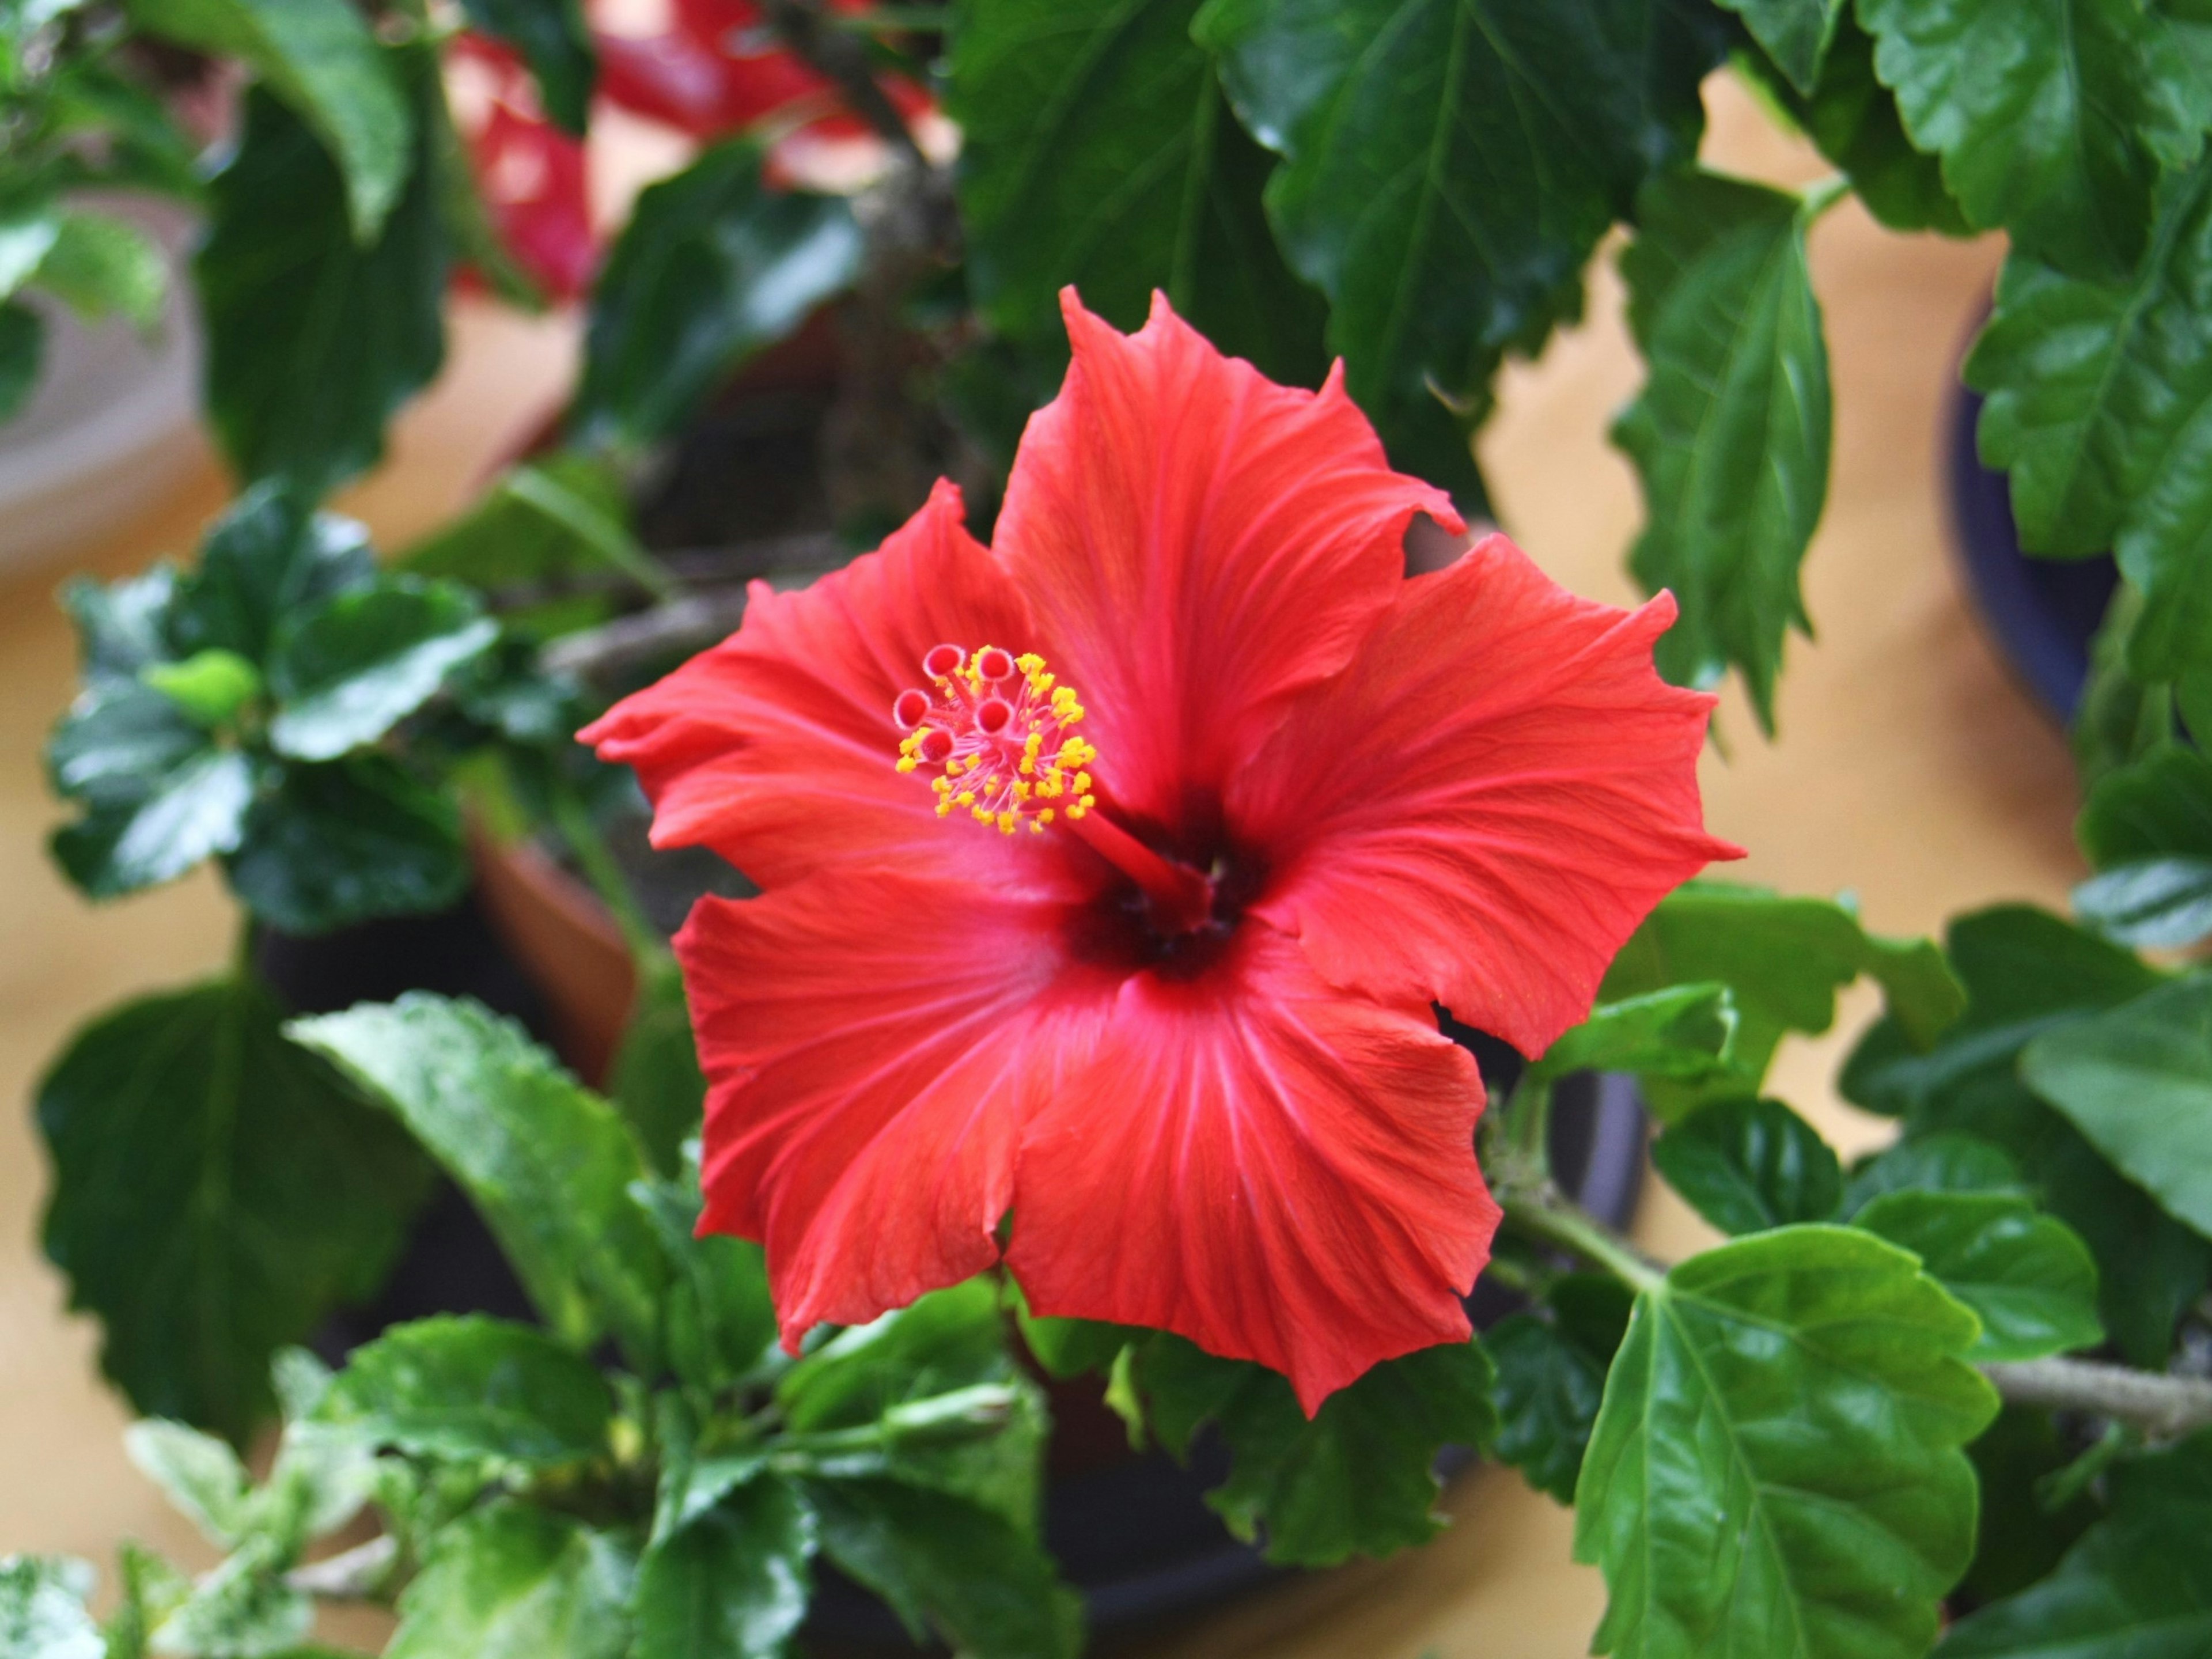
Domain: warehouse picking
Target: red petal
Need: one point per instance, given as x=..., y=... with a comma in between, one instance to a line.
x=1273, y=1169
x=1484, y=806
x=1197, y=543
x=776, y=748
x=869, y=1040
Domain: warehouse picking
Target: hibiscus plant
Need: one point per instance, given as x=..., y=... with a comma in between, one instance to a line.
x=1134, y=855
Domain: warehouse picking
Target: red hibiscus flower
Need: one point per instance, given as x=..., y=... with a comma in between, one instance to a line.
x=1111, y=875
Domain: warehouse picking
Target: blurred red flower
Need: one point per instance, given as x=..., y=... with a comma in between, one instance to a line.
x=1110, y=874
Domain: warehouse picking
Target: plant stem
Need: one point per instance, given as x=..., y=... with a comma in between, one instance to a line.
x=1541, y=1210
x=1528, y=1122
x=574, y=821
x=2163, y=1407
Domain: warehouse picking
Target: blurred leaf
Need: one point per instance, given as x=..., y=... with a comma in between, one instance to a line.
x=2028, y=1277
x=320, y=57
x=721, y=1319
x=348, y=671
x=268, y=556
x=1551, y=1369
x=2153, y=904
x=1721, y=1523
x=655, y=1079
x=120, y=626
x=42, y=1612
x=1358, y=1478
x=215, y=1195
x=200, y=1474
x=945, y=1564
x=1449, y=166
x=2029, y=972
x=330, y=845
x=1782, y=959
x=1731, y=433
x=22, y=350
x=514, y=1582
x=712, y=267
x=2020, y=1541
x=467, y=1388
x=30, y=225
x=1940, y=1163
x=242, y=1610
x=546, y=1162
x=2060, y=145
x=211, y=687
x=734, y=1583
x=2137, y=1081
x=1097, y=151
x=1747, y=1165
x=2158, y=804
x=1683, y=1031
x=1796, y=33
x=174, y=819
x=151, y=1590
x=555, y=41
x=103, y=266
x=313, y=340
x=2137, y=1586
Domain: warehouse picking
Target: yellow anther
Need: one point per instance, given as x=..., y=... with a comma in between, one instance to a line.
x=943, y=786
x=1045, y=816
x=952, y=768
x=1082, y=782
x=981, y=814
x=944, y=806
x=1029, y=662
x=1006, y=822
x=908, y=762
x=1021, y=790
x=966, y=798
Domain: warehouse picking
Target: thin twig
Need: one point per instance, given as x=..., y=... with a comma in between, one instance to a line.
x=2163, y=1407
x=843, y=57
x=675, y=629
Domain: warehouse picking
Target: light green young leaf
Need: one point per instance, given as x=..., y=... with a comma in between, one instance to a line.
x=1731, y=433
x=2028, y=1277
x=1776, y=1468
x=732, y=1584
x=546, y=1162
x=215, y=1194
x=2137, y=1081
x=42, y=1612
x=103, y=266
x=1747, y=1165
x=712, y=267
x=346, y=672
x=210, y=686
x=200, y=1474
x=2137, y=1586
x=470, y=1387
x=320, y=57
x=512, y=1581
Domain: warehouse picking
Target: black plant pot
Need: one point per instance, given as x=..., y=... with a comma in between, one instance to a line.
x=2042, y=613
x=1131, y=1532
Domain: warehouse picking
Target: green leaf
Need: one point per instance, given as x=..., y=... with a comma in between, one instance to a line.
x=1782, y=959
x=2020, y=1540
x=1852, y=119
x=215, y=1194
x=211, y=687
x=313, y=340
x=1939, y=1163
x=2137, y=1586
x=654, y=1078
x=120, y=625
x=151, y=1590
x=1776, y=1469
x=1796, y=33
x=469, y=1387
x=192, y=812
x=118, y=743
x=2153, y=904
x=546, y=1162
x=734, y=1583
x=347, y=672
x=2029, y=972
x=22, y=350
x=1098, y=151
x=944, y=1564
x=42, y=1612
x=2051, y=116
x=721, y=1319
x=1746, y=1165
x=554, y=41
x=2028, y=1277
x=243, y=1608
x=1449, y=165
x=712, y=267
x=1683, y=1031
x=514, y=1582
x=103, y=266
x=29, y=226
x=1731, y=433
x=333, y=845
x=1357, y=1478
x=320, y=57
x=200, y=1474
x=2158, y=804
x=2137, y=1081
x=268, y=556
x=1551, y=1369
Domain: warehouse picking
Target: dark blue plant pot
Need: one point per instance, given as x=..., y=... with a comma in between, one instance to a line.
x=2042, y=613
